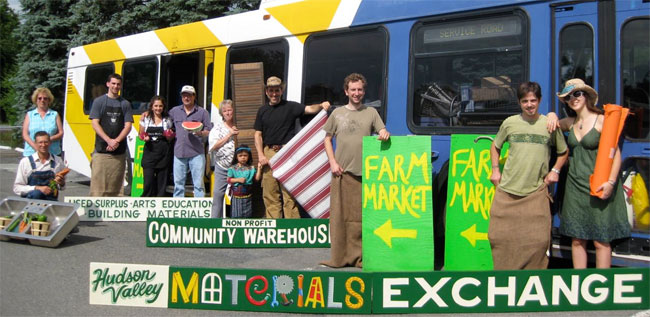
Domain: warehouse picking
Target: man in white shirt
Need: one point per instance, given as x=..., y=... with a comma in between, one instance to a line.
x=35, y=172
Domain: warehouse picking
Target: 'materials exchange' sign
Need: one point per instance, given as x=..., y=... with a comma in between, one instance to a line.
x=364, y=293
x=140, y=208
x=238, y=233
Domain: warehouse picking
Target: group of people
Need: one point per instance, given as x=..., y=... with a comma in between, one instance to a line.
x=42, y=131
x=520, y=216
x=520, y=222
x=167, y=143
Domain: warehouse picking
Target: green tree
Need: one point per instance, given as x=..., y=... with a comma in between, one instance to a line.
x=9, y=48
x=103, y=20
x=45, y=32
x=50, y=28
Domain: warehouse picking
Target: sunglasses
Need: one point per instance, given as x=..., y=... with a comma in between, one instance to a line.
x=575, y=94
x=43, y=98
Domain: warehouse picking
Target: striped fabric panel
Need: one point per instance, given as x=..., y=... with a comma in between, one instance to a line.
x=303, y=168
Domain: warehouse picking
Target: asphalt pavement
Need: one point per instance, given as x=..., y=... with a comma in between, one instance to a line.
x=39, y=281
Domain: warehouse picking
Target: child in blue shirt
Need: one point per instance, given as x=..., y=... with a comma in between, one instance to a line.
x=240, y=178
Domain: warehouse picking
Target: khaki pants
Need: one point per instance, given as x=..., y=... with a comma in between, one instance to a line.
x=276, y=198
x=107, y=174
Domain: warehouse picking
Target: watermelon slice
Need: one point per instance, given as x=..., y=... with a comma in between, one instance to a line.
x=192, y=126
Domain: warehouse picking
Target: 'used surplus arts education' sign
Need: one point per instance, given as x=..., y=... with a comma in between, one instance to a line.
x=139, y=209
x=238, y=233
x=364, y=293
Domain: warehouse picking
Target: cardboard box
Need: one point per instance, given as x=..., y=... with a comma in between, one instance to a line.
x=497, y=81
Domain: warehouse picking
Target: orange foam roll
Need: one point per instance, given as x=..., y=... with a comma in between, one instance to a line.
x=612, y=127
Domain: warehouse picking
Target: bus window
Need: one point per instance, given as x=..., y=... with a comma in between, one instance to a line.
x=329, y=57
x=176, y=71
x=95, y=84
x=140, y=77
x=465, y=72
x=635, y=69
x=272, y=54
x=576, y=54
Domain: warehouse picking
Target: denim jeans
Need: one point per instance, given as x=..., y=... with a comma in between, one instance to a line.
x=196, y=165
x=37, y=194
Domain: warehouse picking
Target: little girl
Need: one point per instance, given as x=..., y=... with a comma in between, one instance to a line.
x=240, y=178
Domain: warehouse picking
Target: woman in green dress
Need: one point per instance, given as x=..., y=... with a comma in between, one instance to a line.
x=585, y=217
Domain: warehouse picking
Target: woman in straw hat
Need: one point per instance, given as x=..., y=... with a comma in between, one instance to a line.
x=585, y=217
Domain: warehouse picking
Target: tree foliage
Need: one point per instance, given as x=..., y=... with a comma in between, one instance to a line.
x=44, y=34
x=9, y=48
x=50, y=28
x=102, y=20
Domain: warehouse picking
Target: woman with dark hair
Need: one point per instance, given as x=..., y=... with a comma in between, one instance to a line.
x=156, y=131
x=585, y=217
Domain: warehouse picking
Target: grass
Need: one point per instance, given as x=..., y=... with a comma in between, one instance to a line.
x=10, y=136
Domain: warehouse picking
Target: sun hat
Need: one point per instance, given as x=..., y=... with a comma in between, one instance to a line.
x=577, y=84
x=189, y=89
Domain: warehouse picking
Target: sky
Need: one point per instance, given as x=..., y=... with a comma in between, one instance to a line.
x=15, y=5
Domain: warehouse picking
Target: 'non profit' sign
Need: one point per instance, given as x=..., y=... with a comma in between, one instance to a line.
x=238, y=233
x=139, y=209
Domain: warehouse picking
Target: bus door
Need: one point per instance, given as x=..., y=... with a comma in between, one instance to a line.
x=178, y=70
x=575, y=42
x=633, y=92
x=633, y=36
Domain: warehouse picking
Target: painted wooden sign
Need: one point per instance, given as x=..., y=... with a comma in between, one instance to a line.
x=396, y=204
x=137, y=181
x=128, y=284
x=333, y=292
x=469, y=197
x=139, y=209
x=270, y=290
x=238, y=233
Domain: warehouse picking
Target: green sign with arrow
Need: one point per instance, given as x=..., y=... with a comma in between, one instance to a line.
x=396, y=202
x=469, y=197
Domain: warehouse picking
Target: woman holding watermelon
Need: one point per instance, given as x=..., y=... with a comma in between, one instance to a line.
x=156, y=131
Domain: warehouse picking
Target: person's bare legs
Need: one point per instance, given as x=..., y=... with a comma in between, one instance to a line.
x=579, y=253
x=603, y=255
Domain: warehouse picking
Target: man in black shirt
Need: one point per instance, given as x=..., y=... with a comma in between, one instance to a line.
x=111, y=119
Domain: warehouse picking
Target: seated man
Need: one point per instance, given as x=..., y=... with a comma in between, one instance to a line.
x=37, y=170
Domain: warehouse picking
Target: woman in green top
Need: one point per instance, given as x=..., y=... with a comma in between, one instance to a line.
x=585, y=217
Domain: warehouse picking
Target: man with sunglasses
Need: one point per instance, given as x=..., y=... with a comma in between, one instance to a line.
x=520, y=216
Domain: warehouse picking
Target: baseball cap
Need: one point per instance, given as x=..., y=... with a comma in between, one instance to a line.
x=189, y=89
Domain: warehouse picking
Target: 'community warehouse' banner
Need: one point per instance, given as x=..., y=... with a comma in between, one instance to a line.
x=238, y=233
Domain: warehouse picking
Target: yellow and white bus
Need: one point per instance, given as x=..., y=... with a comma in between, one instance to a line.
x=431, y=67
